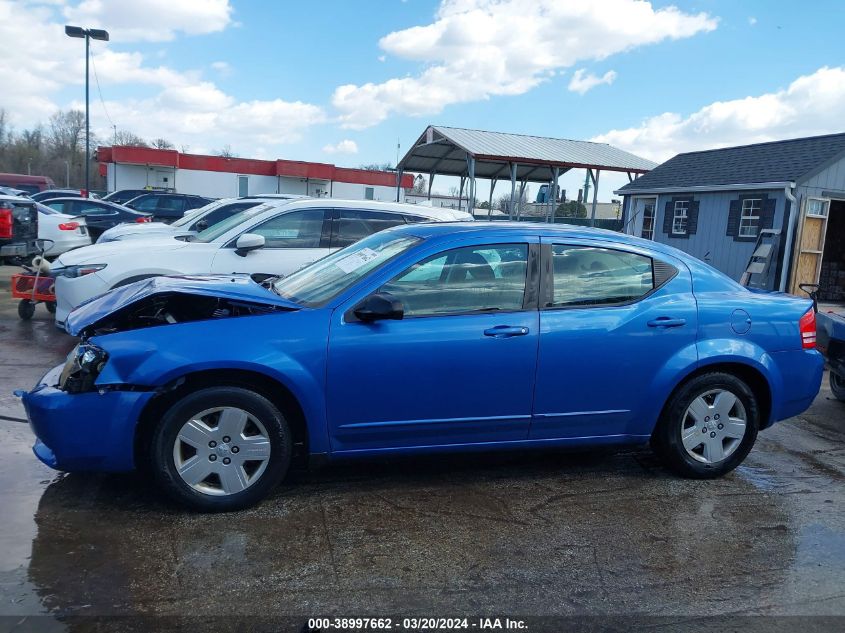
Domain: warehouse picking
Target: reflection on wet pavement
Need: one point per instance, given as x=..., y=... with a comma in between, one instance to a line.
x=553, y=533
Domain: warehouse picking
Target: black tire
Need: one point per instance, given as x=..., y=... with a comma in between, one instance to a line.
x=666, y=439
x=166, y=432
x=26, y=309
x=837, y=385
x=51, y=307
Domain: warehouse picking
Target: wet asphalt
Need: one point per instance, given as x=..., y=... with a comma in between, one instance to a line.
x=596, y=533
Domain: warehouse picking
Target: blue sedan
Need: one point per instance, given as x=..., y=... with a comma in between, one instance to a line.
x=422, y=338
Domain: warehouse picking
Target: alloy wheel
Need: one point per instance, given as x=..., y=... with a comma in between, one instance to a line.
x=713, y=426
x=221, y=451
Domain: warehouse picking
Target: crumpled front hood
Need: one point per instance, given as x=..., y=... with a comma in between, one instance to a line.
x=234, y=289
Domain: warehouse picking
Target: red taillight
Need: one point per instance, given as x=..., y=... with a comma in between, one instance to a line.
x=807, y=327
x=143, y=218
x=7, y=226
x=68, y=226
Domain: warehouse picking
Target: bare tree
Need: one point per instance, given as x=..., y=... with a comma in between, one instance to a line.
x=125, y=137
x=162, y=143
x=503, y=202
x=420, y=185
x=67, y=133
x=226, y=152
x=376, y=166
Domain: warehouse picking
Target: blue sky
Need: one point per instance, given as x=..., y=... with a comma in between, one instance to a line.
x=267, y=78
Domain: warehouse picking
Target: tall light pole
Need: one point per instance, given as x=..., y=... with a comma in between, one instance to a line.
x=87, y=34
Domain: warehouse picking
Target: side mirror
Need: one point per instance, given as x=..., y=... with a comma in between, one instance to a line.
x=248, y=242
x=378, y=306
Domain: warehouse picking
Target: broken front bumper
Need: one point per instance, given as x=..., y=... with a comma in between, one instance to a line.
x=85, y=431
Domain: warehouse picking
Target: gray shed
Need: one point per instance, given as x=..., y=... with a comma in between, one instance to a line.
x=771, y=215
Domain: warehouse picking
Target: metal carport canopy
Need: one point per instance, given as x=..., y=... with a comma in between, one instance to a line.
x=446, y=150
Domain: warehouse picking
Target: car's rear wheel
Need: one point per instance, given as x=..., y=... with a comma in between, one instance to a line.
x=221, y=449
x=708, y=426
x=837, y=385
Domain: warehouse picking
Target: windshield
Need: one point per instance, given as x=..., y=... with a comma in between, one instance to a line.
x=323, y=280
x=191, y=215
x=216, y=230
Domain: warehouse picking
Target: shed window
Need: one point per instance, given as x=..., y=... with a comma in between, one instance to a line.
x=648, y=221
x=749, y=220
x=817, y=208
x=679, y=217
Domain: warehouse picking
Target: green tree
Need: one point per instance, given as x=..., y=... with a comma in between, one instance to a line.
x=571, y=209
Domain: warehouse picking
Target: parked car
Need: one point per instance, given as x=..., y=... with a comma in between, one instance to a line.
x=426, y=338
x=44, y=196
x=122, y=196
x=99, y=215
x=66, y=232
x=167, y=207
x=10, y=191
x=27, y=183
x=192, y=222
x=18, y=229
x=274, y=238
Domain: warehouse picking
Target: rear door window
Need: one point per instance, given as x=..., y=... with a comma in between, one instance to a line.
x=148, y=203
x=591, y=276
x=83, y=207
x=58, y=207
x=352, y=225
x=170, y=205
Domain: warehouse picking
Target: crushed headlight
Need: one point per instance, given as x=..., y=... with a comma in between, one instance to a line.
x=83, y=365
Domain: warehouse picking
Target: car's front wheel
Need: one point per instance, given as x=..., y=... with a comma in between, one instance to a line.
x=221, y=449
x=708, y=426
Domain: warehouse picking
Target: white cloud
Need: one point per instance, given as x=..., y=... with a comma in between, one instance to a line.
x=182, y=106
x=151, y=20
x=475, y=49
x=343, y=147
x=812, y=104
x=752, y=20
x=224, y=69
x=582, y=81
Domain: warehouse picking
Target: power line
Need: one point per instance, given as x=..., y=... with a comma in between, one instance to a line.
x=100, y=92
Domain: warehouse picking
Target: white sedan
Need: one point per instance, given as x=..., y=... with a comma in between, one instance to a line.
x=65, y=231
x=271, y=239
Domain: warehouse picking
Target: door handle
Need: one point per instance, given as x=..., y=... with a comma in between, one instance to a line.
x=666, y=322
x=506, y=331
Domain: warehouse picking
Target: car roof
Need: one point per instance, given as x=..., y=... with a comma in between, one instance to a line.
x=434, y=213
x=541, y=229
x=18, y=199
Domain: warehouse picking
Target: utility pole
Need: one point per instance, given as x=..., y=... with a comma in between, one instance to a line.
x=87, y=34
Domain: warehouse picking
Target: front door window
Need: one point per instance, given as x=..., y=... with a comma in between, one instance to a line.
x=463, y=280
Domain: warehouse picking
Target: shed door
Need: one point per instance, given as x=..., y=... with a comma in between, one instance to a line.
x=811, y=236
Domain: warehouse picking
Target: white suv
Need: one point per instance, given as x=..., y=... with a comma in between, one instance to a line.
x=274, y=238
x=193, y=221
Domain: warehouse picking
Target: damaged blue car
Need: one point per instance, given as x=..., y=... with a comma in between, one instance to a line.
x=422, y=338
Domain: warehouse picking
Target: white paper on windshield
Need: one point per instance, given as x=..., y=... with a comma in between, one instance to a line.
x=354, y=261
